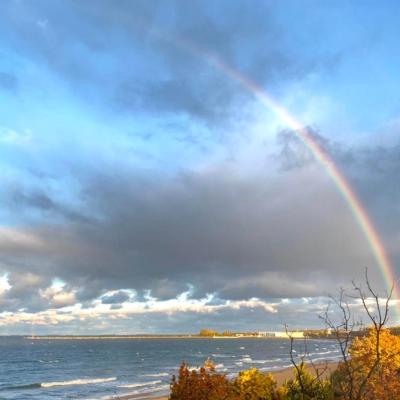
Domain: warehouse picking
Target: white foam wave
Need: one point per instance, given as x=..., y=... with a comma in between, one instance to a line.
x=337, y=357
x=77, y=382
x=323, y=352
x=259, y=361
x=276, y=367
x=265, y=361
x=140, y=384
x=159, y=389
x=156, y=375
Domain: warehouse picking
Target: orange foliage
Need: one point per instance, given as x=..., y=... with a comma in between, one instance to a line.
x=254, y=385
x=384, y=380
x=204, y=384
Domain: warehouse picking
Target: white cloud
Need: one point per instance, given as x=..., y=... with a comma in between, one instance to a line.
x=60, y=298
x=4, y=284
x=57, y=296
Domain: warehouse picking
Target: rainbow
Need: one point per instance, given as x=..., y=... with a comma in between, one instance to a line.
x=357, y=209
x=330, y=167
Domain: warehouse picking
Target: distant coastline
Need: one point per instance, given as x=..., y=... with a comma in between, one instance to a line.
x=208, y=334
x=119, y=337
x=277, y=335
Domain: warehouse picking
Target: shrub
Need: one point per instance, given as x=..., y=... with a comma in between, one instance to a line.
x=366, y=376
x=207, y=384
x=305, y=386
x=254, y=385
x=204, y=384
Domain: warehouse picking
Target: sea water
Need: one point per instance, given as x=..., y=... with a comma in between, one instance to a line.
x=100, y=369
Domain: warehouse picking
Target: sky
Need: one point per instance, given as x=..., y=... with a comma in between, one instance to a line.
x=145, y=190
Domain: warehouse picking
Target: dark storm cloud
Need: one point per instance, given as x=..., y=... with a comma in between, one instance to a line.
x=267, y=234
x=24, y=293
x=151, y=55
x=294, y=154
x=371, y=170
x=116, y=298
x=22, y=200
x=240, y=235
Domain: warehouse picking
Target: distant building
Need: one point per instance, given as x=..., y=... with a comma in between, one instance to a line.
x=286, y=335
x=265, y=334
x=295, y=335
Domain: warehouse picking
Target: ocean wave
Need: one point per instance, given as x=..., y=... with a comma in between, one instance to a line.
x=60, y=383
x=139, y=384
x=158, y=389
x=276, y=367
x=266, y=361
x=156, y=375
x=323, y=352
x=337, y=357
x=77, y=382
x=21, y=387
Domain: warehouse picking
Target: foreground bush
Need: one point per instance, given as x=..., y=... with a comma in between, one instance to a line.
x=371, y=373
x=204, y=384
x=254, y=385
x=207, y=384
x=305, y=386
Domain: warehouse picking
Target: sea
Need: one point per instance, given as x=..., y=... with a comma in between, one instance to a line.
x=108, y=368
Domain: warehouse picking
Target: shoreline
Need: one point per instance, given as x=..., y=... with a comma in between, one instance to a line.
x=160, y=337
x=280, y=376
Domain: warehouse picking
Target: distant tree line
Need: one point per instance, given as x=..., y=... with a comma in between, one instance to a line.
x=212, y=333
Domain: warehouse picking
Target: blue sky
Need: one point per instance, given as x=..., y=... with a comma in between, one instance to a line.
x=135, y=170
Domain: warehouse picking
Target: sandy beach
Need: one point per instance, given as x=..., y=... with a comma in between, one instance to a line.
x=280, y=376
